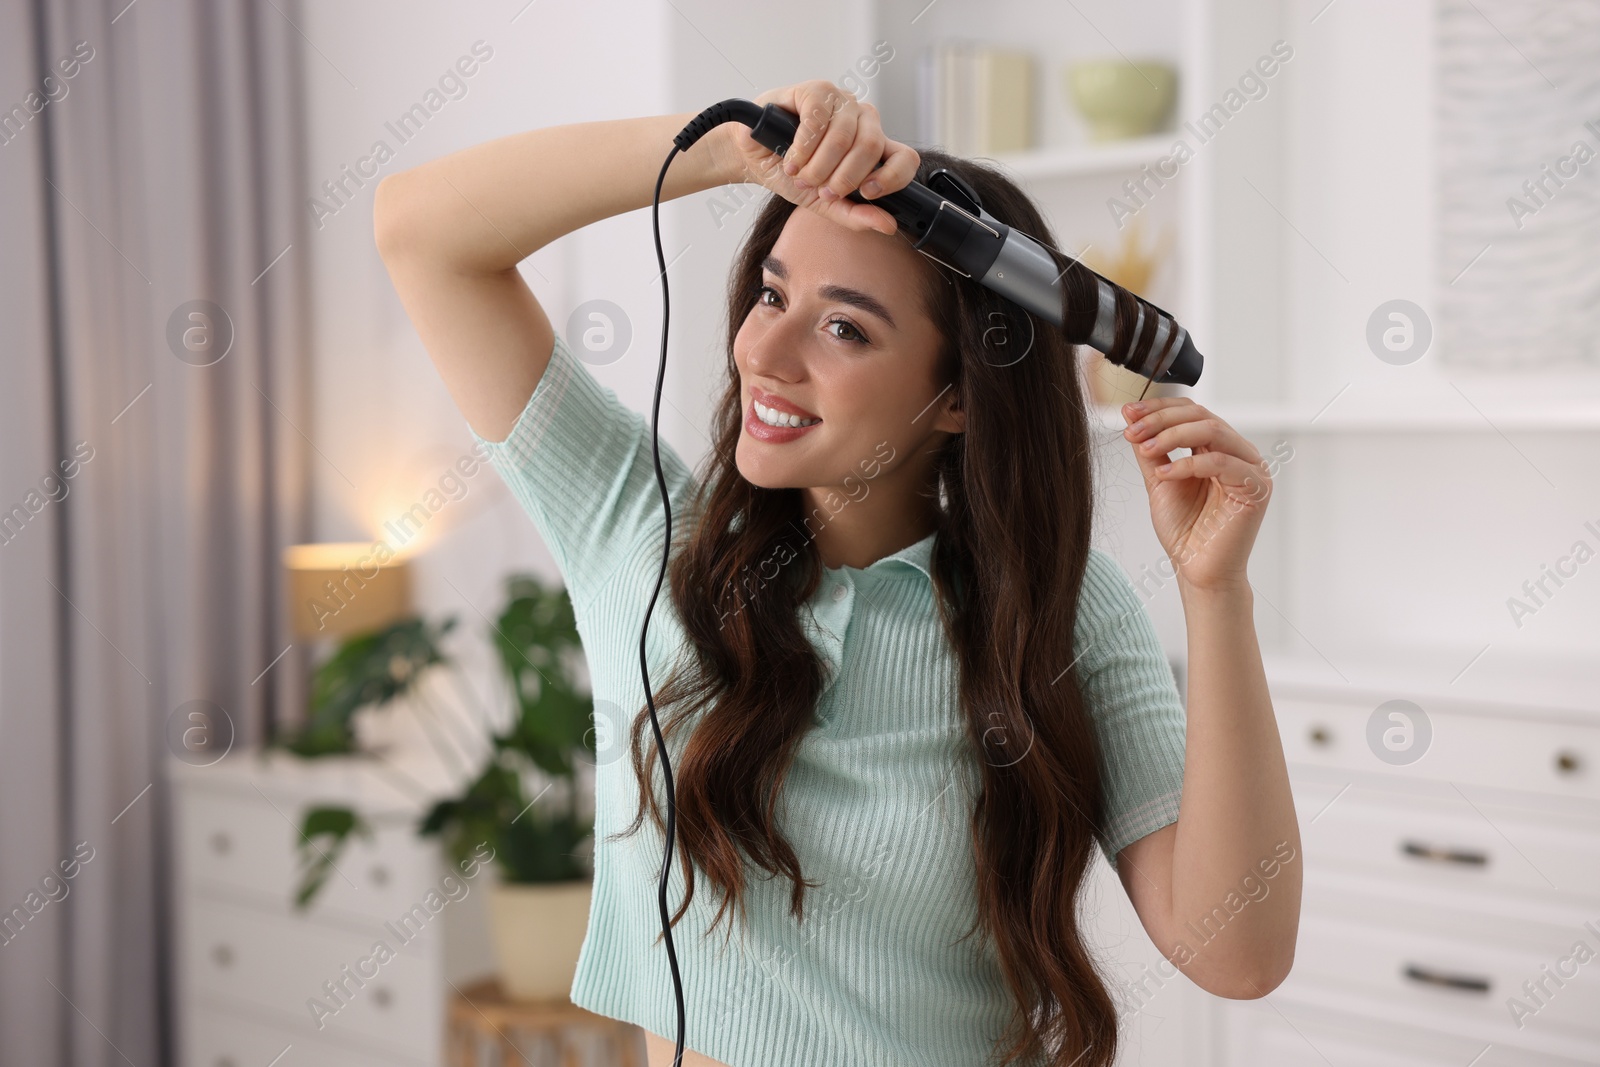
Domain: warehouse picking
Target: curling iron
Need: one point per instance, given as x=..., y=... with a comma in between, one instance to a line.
x=945, y=222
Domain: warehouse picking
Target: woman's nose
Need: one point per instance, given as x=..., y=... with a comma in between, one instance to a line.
x=779, y=352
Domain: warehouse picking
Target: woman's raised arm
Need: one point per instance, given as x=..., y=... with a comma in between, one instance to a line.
x=452, y=231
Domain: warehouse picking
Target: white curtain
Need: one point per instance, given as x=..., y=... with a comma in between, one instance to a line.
x=150, y=170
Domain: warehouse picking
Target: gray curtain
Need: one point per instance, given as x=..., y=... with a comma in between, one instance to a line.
x=152, y=466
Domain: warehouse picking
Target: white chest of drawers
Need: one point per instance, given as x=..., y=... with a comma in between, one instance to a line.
x=1447, y=899
x=1439, y=894
x=251, y=969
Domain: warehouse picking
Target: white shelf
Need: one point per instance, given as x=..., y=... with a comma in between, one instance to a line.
x=1351, y=419
x=1077, y=160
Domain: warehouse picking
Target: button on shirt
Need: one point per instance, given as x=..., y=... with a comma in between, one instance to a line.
x=878, y=798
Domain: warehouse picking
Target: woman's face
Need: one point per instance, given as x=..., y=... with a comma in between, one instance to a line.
x=840, y=335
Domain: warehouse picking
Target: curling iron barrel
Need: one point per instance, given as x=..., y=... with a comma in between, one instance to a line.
x=948, y=224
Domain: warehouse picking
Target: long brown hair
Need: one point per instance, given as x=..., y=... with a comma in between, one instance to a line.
x=1009, y=556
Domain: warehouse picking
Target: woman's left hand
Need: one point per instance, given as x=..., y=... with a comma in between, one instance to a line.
x=1207, y=506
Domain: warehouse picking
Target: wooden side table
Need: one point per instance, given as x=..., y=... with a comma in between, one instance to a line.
x=488, y=1029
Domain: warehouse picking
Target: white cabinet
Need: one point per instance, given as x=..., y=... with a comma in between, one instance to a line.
x=1451, y=904
x=252, y=970
x=1292, y=1035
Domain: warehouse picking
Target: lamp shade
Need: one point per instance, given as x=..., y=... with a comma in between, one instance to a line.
x=341, y=588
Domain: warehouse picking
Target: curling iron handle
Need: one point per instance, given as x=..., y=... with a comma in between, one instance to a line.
x=912, y=207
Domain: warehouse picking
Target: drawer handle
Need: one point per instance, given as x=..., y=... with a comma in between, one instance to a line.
x=1465, y=982
x=1444, y=855
x=1568, y=762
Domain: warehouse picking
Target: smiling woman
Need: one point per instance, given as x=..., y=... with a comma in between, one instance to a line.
x=819, y=340
x=899, y=730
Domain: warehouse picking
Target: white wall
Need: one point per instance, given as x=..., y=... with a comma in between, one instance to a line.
x=1406, y=537
x=384, y=421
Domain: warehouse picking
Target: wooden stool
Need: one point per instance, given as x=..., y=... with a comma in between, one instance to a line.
x=535, y=1033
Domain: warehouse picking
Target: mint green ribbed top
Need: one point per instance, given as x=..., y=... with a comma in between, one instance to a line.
x=877, y=801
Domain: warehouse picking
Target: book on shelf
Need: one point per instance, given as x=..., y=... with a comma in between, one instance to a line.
x=975, y=100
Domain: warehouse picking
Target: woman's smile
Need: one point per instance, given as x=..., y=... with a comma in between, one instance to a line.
x=756, y=426
x=770, y=417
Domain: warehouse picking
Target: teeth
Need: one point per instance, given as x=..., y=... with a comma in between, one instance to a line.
x=780, y=418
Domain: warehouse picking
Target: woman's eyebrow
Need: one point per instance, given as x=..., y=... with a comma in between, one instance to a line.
x=843, y=294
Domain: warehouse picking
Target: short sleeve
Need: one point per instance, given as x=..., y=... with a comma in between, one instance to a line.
x=1134, y=702
x=580, y=463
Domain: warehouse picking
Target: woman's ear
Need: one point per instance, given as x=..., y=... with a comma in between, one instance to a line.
x=951, y=418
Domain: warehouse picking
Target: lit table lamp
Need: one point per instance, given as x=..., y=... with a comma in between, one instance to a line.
x=340, y=588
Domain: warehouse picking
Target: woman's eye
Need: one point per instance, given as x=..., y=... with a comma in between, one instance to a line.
x=857, y=338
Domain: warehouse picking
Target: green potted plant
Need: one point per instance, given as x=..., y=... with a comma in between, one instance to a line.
x=366, y=670
x=539, y=903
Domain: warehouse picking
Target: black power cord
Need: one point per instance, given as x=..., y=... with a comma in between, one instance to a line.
x=703, y=123
x=644, y=666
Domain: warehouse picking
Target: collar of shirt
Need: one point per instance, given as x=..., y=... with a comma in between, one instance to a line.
x=829, y=611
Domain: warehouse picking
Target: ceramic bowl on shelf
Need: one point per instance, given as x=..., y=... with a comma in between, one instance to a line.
x=1121, y=99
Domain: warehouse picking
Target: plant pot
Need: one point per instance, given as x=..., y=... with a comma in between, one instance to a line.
x=538, y=931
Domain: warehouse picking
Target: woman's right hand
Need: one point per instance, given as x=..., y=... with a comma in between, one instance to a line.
x=839, y=147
